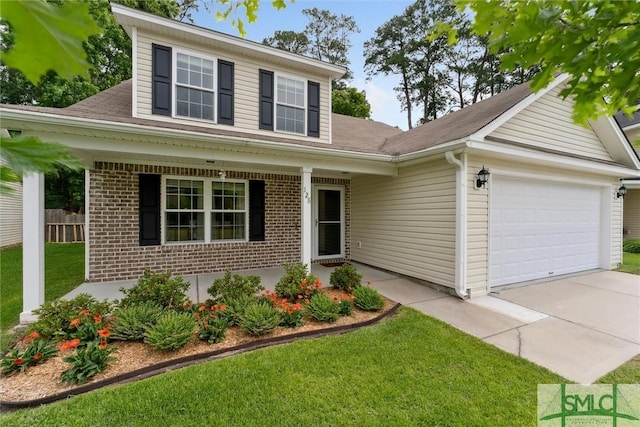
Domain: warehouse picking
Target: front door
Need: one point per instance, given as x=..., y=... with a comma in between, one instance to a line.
x=328, y=222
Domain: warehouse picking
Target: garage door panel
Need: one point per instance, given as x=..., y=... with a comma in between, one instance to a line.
x=541, y=229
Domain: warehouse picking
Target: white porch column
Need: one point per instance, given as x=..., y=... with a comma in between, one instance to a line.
x=32, y=245
x=305, y=190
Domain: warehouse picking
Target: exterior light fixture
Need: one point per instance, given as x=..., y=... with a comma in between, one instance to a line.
x=222, y=175
x=483, y=177
x=621, y=191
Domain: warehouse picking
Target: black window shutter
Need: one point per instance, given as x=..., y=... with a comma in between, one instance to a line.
x=266, y=100
x=256, y=210
x=149, y=209
x=161, y=80
x=313, y=109
x=225, y=92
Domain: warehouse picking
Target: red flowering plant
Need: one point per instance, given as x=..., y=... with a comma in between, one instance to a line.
x=297, y=284
x=212, y=324
x=291, y=312
x=37, y=350
x=89, y=327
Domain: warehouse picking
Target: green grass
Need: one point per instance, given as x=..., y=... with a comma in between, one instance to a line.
x=630, y=263
x=629, y=373
x=407, y=370
x=64, y=270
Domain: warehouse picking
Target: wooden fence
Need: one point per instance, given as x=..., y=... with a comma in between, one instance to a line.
x=63, y=227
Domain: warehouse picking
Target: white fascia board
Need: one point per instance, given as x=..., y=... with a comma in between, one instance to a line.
x=128, y=17
x=615, y=141
x=510, y=113
x=539, y=157
x=419, y=156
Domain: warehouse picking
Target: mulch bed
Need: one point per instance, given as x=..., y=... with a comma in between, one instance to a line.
x=41, y=384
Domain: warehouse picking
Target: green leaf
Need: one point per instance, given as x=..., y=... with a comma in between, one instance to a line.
x=29, y=154
x=49, y=37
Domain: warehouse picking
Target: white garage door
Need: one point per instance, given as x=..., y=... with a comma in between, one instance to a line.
x=542, y=229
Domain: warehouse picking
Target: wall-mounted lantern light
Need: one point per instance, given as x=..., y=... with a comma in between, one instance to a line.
x=482, y=178
x=621, y=191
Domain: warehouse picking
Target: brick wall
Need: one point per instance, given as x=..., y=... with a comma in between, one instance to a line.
x=113, y=226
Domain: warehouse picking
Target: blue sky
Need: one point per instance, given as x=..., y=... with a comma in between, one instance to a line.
x=368, y=14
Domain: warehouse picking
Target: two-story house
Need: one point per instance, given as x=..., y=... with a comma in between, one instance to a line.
x=221, y=153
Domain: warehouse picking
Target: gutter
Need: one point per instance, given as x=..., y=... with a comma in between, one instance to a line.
x=461, y=222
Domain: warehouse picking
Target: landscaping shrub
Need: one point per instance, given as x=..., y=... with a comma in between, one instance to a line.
x=631, y=246
x=291, y=315
x=346, y=307
x=368, y=299
x=37, y=351
x=235, y=308
x=160, y=289
x=55, y=317
x=345, y=278
x=130, y=323
x=213, y=329
x=259, y=319
x=234, y=287
x=87, y=362
x=322, y=308
x=296, y=283
x=171, y=332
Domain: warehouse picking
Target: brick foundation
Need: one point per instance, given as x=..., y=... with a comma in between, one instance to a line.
x=115, y=253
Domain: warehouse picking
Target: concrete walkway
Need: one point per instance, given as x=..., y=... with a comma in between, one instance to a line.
x=581, y=327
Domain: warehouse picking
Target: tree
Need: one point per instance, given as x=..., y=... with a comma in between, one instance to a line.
x=325, y=38
x=387, y=53
x=350, y=102
x=596, y=42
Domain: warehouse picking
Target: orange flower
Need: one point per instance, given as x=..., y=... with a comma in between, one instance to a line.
x=290, y=310
x=85, y=312
x=32, y=336
x=18, y=361
x=215, y=307
x=104, y=333
x=306, y=300
x=335, y=299
x=205, y=324
x=187, y=304
x=201, y=308
x=304, y=282
x=70, y=344
x=196, y=316
x=223, y=308
x=103, y=345
x=75, y=322
x=37, y=356
x=97, y=318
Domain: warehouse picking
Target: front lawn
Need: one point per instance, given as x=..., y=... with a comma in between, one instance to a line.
x=629, y=373
x=408, y=370
x=64, y=270
x=630, y=263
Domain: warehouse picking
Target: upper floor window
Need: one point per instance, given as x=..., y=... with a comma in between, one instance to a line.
x=195, y=93
x=290, y=105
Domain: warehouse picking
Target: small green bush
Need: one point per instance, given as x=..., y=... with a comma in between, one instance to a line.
x=234, y=287
x=323, y=309
x=631, y=246
x=130, y=323
x=87, y=362
x=346, y=278
x=291, y=315
x=235, y=308
x=171, y=332
x=55, y=317
x=212, y=330
x=296, y=283
x=346, y=307
x=259, y=319
x=157, y=288
x=368, y=299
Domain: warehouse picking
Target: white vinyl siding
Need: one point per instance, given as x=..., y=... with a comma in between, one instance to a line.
x=548, y=124
x=246, y=93
x=632, y=214
x=11, y=217
x=406, y=223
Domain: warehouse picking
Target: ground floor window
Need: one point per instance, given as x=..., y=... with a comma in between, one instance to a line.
x=204, y=210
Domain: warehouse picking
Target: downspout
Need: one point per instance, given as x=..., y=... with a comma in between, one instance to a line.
x=461, y=222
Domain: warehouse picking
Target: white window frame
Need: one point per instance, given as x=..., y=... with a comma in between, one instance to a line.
x=174, y=83
x=207, y=208
x=305, y=107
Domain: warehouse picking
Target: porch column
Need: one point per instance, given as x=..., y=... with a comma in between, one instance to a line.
x=305, y=190
x=32, y=245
